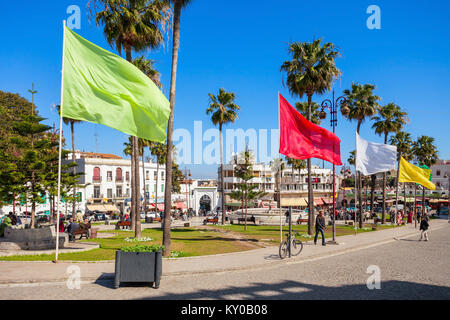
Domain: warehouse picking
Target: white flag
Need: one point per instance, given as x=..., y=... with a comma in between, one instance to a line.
x=372, y=157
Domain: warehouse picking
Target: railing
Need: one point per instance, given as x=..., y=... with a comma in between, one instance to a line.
x=119, y=179
x=97, y=179
x=98, y=196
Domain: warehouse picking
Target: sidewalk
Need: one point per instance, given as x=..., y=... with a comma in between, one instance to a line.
x=32, y=272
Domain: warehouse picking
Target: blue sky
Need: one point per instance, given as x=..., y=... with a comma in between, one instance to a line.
x=240, y=46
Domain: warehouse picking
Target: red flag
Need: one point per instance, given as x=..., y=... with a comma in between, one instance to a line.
x=302, y=139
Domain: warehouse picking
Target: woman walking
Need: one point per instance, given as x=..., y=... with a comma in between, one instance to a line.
x=424, y=227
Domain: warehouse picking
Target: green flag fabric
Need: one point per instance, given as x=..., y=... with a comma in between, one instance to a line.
x=101, y=87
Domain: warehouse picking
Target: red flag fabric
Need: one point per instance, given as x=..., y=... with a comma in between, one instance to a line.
x=302, y=139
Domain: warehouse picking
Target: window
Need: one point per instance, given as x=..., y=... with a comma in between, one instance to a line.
x=147, y=175
x=96, y=175
x=162, y=175
x=96, y=192
x=438, y=172
x=127, y=176
x=119, y=175
x=155, y=175
x=154, y=189
x=109, y=175
x=162, y=188
x=128, y=192
x=109, y=193
x=119, y=191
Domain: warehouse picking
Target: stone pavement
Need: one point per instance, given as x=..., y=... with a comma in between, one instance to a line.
x=32, y=272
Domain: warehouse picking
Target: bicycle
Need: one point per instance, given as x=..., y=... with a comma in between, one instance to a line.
x=296, y=246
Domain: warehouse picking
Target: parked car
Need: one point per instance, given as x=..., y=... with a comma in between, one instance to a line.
x=100, y=217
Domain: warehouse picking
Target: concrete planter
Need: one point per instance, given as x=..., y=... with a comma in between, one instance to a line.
x=32, y=239
x=138, y=267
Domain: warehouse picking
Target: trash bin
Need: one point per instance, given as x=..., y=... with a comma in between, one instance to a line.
x=94, y=233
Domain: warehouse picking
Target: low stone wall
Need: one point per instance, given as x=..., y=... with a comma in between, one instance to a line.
x=32, y=239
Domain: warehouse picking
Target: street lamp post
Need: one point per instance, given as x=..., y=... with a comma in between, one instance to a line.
x=332, y=106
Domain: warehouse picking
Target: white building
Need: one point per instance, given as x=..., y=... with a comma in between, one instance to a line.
x=107, y=180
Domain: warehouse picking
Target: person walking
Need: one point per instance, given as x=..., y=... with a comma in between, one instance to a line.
x=424, y=224
x=320, y=227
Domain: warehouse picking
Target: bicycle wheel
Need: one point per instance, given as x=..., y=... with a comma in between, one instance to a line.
x=297, y=247
x=283, y=250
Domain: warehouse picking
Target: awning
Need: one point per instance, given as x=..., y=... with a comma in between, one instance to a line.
x=294, y=202
x=181, y=205
x=96, y=207
x=327, y=201
x=160, y=206
x=111, y=208
x=318, y=201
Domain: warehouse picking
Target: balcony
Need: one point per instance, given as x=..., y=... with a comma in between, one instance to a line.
x=96, y=179
x=119, y=179
x=97, y=196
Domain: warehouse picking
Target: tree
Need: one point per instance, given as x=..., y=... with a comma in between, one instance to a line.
x=311, y=71
x=138, y=25
x=158, y=150
x=302, y=107
x=223, y=110
x=147, y=67
x=245, y=190
x=402, y=140
x=390, y=119
x=362, y=104
x=296, y=164
x=351, y=159
x=278, y=165
x=426, y=154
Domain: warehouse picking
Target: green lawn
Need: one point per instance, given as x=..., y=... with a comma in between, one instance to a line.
x=272, y=233
x=188, y=241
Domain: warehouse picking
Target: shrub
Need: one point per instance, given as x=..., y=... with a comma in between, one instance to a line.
x=143, y=248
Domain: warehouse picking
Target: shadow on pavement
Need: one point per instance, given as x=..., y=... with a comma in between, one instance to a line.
x=293, y=290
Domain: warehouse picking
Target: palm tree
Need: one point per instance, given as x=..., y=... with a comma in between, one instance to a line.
x=178, y=5
x=402, y=140
x=159, y=150
x=390, y=119
x=128, y=25
x=147, y=67
x=362, y=104
x=311, y=71
x=223, y=110
x=426, y=154
x=302, y=107
x=72, y=123
x=278, y=166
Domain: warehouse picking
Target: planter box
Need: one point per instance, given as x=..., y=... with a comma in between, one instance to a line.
x=138, y=267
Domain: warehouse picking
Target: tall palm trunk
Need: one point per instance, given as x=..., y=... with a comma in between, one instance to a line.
x=372, y=192
x=383, y=216
x=137, y=231
x=310, y=189
x=358, y=180
x=74, y=170
x=222, y=183
x=134, y=179
x=168, y=190
x=143, y=179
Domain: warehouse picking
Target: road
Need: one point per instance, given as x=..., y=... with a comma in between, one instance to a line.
x=409, y=269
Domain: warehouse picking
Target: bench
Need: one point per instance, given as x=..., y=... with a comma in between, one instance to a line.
x=300, y=221
x=252, y=219
x=82, y=233
x=123, y=224
x=211, y=220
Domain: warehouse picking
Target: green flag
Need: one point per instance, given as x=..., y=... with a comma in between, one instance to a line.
x=101, y=87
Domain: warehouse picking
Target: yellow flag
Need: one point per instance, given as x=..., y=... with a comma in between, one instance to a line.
x=411, y=173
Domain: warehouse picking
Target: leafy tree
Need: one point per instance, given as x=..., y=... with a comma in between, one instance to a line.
x=128, y=25
x=278, y=165
x=302, y=107
x=362, y=104
x=311, y=70
x=147, y=67
x=246, y=191
x=426, y=154
x=223, y=110
x=390, y=120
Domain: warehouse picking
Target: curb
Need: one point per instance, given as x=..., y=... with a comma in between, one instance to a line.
x=267, y=265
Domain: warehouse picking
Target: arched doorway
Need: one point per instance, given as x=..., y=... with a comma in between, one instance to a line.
x=205, y=203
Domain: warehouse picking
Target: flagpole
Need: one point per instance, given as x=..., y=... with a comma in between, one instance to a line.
x=396, y=192
x=356, y=175
x=279, y=186
x=60, y=144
